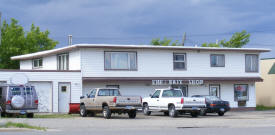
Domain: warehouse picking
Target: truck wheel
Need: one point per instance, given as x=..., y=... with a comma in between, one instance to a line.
x=146, y=110
x=83, y=112
x=132, y=114
x=30, y=115
x=194, y=114
x=172, y=111
x=106, y=112
x=221, y=113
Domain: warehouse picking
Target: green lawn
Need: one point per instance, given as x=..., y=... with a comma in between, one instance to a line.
x=21, y=125
x=262, y=108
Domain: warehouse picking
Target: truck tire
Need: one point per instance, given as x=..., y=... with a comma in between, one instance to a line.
x=132, y=114
x=194, y=114
x=106, y=112
x=83, y=111
x=220, y=113
x=146, y=110
x=30, y=115
x=172, y=111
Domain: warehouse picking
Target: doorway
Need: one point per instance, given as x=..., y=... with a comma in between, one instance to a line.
x=214, y=90
x=64, y=89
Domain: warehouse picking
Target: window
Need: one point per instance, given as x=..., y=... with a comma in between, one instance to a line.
x=37, y=63
x=108, y=92
x=27, y=91
x=63, y=61
x=112, y=86
x=214, y=90
x=217, y=60
x=120, y=61
x=241, y=92
x=251, y=63
x=172, y=93
x=93, y=92
x=184, y=89
x=63, y=88
x=156, y=94
x=179, y=61
x=15, y=91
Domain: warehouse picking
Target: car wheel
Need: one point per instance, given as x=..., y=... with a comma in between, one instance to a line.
x=220, y=113
x=106, y=112
x=132, y=114
x=146, y=110
x=166, y=113
x=30, y=115
x=203, y=112
x=172, y=111
x=83, y=112
x=194, y=114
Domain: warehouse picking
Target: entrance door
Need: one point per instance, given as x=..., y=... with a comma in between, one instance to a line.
x=214, y=90
x=64, y=97
x=184, y=89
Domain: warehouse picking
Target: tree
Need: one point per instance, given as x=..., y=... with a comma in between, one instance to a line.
x=164, y=42
x=15, y=41
x=238, y=40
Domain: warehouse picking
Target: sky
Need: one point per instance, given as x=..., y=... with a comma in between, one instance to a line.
x=139, y=21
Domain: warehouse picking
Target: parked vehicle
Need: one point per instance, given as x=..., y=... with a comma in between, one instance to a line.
x=108, y=101
x=172, y=103
x=18, y=99
x=214, y=105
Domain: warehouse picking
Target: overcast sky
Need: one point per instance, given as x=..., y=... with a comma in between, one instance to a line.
x=138, y=21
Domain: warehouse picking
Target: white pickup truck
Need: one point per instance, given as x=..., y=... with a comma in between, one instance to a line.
x=172, y=102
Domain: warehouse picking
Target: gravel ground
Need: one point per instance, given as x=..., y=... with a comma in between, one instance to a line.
x=120, y=124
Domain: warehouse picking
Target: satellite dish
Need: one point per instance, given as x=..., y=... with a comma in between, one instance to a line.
x=19, y=78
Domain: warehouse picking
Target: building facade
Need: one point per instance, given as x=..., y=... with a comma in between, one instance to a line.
x=69, y=72
x=265, y=92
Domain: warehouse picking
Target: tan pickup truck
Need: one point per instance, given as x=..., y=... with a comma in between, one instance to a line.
x=108, y=101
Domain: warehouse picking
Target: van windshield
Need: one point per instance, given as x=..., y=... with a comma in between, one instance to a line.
x=15, y=91
x=108, y=92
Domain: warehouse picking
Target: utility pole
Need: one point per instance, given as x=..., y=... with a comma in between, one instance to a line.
x=0, y=28
x=183, y=38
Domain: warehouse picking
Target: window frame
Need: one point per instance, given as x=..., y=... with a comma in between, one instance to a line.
x=38, y=60
x=67, y=56
x=247, y=89
x=185, y=61
x=155, y=93
x=258, y=64
x=129, y=68
x=217, y=55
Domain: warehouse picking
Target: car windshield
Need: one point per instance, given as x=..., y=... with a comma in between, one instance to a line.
x=172, y=93
x=108, y=92
x=212, y=98
x=15, y=91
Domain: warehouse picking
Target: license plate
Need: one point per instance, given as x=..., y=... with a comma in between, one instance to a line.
x=129, y=107
x=222, y=109
x=22, y=112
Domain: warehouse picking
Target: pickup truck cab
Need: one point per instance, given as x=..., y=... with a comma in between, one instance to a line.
x=172, y=102
x=108, y=101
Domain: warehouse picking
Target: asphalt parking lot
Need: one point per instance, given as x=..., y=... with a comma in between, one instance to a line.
x=252, y=123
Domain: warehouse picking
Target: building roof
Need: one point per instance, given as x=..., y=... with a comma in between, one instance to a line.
x=72, y=47
x=272, y=69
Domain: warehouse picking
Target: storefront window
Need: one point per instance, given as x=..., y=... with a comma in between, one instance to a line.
x=241, y=92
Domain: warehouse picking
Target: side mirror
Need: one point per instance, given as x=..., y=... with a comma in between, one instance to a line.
x=150, y=95
x=81, y=97
x=87, y=95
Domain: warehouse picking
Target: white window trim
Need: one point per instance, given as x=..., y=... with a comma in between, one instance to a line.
x=251, y=61
x=128, y=60
x=39, y=66
x=66, y=61
x=180, y=61
x=217, y=60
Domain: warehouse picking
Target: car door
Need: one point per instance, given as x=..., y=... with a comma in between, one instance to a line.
x=91, y=100
x=154, y=102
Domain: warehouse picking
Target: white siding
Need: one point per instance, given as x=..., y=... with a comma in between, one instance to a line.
x=159, y=63
x=73, y=77
x=26, y=64
x=145, y=88
x=74, y=60
x=49, y=63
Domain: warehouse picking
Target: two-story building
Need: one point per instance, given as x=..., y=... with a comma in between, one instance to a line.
x=62, y=75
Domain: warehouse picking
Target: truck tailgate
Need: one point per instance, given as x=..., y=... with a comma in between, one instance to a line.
x=128, y=100
x=194, y=101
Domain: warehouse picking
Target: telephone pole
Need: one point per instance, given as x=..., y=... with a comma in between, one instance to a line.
x=0, y=28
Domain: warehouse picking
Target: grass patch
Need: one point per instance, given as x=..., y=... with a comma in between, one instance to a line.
x=22, y=125
x=263, y=108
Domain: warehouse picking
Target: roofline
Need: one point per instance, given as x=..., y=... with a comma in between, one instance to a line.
x=72, y=47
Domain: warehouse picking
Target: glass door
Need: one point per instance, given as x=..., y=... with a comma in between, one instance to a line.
x=214, y=90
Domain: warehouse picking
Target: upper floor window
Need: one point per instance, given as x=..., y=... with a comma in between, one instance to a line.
x=179, y=61
x=251, y=63
x=63, y=61
x=217, y=60
x=37, y=63
x=120, y=60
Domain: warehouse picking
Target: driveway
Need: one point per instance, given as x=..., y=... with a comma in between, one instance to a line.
x=253, y=122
